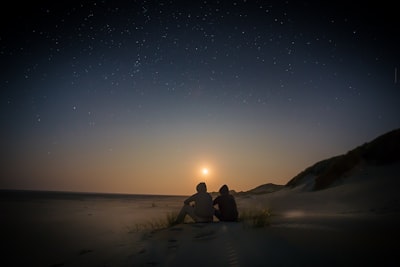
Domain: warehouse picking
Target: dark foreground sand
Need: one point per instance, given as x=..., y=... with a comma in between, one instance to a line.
x=301, y=239
x=318, y=241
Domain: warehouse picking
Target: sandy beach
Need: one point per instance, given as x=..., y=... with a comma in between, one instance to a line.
x=352, y=223
x=315, y=241
x=294, y=244
x=293, y=238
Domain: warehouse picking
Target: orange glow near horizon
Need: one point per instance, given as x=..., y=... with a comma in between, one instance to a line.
x=150, y=163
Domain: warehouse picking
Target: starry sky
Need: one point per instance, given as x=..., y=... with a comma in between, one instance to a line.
x=139, y=96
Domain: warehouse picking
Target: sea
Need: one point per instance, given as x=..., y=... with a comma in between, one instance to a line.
x=43, y=227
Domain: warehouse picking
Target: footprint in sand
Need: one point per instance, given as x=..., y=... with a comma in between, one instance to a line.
x=176, y=229
x=231, y=255
x=205, y=235
x=198, y=225
x=84, y=251
x=172, y=243
x=152, y=263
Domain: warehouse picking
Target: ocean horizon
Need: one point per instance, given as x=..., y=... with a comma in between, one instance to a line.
x=72, y=194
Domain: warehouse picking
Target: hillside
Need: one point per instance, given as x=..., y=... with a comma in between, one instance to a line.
x=262, y=189
x=384, y=150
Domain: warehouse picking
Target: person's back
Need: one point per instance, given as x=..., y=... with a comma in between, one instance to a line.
x=227, y=209
x=203, y=205
x=202, y=211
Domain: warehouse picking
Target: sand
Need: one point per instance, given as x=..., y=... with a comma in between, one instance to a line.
x=342, y=241
x=79, y=231
x=354, y=223
x=292, y=238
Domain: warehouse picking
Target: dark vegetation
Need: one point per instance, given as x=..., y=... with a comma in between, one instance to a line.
x=262, y=189
x=381, y=151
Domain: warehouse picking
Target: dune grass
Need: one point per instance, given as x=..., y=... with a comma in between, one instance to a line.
x=250, y=218
x=155, y=224
x=255, y=218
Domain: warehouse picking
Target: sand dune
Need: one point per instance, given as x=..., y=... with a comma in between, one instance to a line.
x=352, y=223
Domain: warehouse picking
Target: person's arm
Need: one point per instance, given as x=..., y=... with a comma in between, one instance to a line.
x=190, y=199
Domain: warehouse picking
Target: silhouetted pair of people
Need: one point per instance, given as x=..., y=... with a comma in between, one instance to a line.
x=203, y=208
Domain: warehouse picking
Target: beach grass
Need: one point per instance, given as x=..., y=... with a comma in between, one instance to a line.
x=250, y=218
x=255, y=218
x=155, y=224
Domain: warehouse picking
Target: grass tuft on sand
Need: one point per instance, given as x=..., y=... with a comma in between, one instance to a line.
x=250, y=218
x=255, y=218
x=155, y=224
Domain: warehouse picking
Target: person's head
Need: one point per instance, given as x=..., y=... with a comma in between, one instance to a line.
x=201, y=187
x=224, y=190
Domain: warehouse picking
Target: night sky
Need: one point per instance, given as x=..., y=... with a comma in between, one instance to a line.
x=139, y=96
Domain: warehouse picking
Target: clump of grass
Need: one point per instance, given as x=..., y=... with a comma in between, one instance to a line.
x=171, y=219
x=155, y=224
x=255, y=218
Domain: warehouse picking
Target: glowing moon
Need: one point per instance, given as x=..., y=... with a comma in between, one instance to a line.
x=205, y=171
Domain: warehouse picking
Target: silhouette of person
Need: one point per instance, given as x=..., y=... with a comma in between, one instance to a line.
x=227, y=209
x=202, y=210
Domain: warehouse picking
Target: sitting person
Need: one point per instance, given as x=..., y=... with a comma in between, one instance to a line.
x=202, y=211
x=227, y=209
